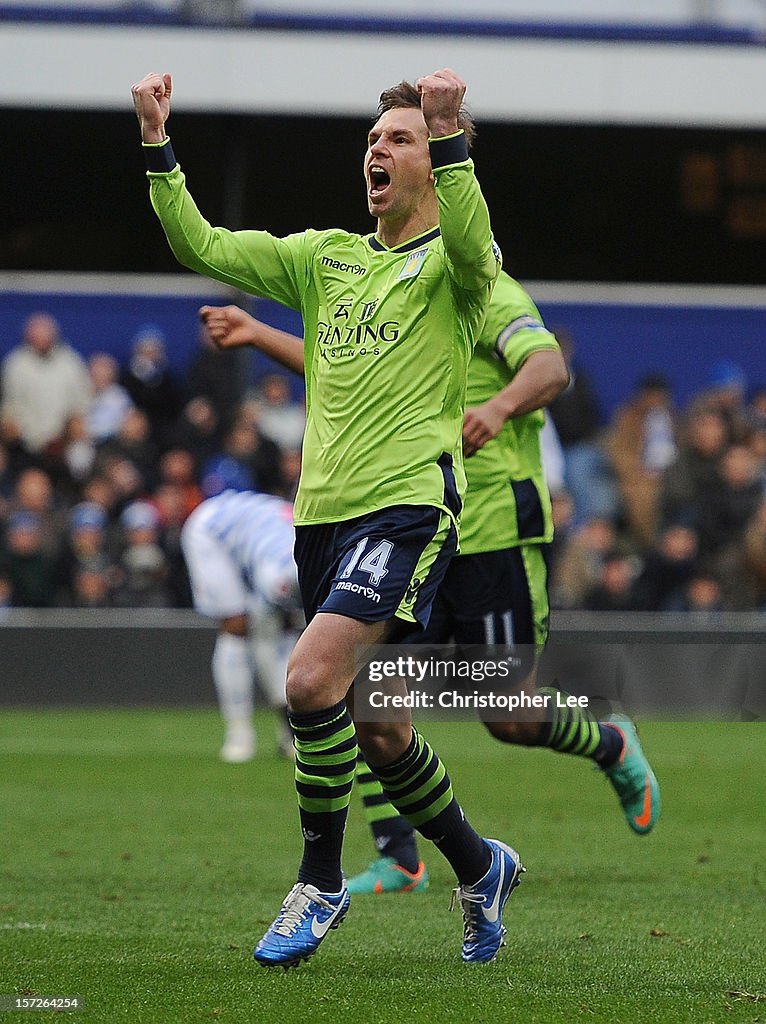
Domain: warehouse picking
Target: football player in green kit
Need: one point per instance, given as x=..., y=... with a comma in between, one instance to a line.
x=495, y=590
x=390, y=322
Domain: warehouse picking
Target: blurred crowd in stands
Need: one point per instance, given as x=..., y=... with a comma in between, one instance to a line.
x=100, y=464
x=661, y=509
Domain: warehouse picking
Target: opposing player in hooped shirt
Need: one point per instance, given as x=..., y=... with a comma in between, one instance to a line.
x=238, y=547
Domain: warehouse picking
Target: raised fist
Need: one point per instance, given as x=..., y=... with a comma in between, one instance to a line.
x=441, y=95
x=151, y=99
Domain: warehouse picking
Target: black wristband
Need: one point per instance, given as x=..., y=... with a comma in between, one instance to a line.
x=452, y=150
x=160, y=159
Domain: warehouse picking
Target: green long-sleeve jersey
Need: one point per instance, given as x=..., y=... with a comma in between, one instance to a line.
x=507, y=503
x=388, y=336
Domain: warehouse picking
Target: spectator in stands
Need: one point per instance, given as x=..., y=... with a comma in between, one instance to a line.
x=562, y=508
x=171, y=502
x=668, y=567
x=279, y=418
x=725, y=394
x=730, y=504
x=752, y=576
x=694, y=472
x=24, y=561
x=616, y=590
x=145, y=570
x=220, y=376
x=6, y=481
x=197, y=429
x=577, y=418
x=758, y=405
x=34, y=493
x=93, y=584
x=258, y=457
x=149, y=382
x=175, y=498
x=44, y=382
x=134, y=442
x=177, y=470
x=552, y=453
x=224, y=472
x=100, y=490
x=125, y=481
x=77, y=457
x=109, y=402
x=578, y=568
x=290, y=471
x=702, y=594
x=642, y=446
x=86, y=549
x=6, y=591
x=756, y=442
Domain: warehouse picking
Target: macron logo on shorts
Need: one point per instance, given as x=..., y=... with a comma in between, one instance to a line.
x=356, y=588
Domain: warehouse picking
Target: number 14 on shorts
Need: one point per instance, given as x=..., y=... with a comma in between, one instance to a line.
x=373, y=562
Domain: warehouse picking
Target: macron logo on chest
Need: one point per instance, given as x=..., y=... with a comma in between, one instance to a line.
x=345, y=268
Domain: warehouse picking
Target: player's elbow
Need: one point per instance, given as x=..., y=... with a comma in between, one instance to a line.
x=550, y=370
x=476, y=271
x=187, y=255
x=486, y=270
x=559, y=380
x=550, y=364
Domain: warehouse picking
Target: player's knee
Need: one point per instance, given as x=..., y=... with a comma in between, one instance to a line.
x=301, y=686
x=307, y=684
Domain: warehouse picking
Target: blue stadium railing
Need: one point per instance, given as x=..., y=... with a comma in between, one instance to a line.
x=140, y=14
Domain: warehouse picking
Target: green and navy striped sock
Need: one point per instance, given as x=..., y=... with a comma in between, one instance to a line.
x=574, y=730
x=418, y=786
x=325, y=762
x=393, y=834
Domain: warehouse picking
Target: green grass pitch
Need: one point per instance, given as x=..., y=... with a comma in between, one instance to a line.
x=137, y=872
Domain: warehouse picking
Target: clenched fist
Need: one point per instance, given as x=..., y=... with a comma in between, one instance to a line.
x=228, y=326
x=441, y=95
x=151, y=99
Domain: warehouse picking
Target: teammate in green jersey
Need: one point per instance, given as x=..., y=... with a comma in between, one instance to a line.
x=390, y=321
x=495, y=590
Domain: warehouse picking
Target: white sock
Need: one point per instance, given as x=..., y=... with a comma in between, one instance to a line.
x=233, y=678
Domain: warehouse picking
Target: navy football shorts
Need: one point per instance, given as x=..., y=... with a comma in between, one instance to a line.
x=380, y=566
x=493, y=598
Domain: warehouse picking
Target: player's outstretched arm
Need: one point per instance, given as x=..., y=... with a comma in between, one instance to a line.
x=463, y=215
x=232, y=327
x=251, y=261
x=151, y=100
x=543, y=375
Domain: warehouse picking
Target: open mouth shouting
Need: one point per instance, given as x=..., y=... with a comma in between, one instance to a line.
x=379, y=182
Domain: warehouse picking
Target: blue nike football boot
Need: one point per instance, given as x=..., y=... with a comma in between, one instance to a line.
x=304, y=919
x=483, y=902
